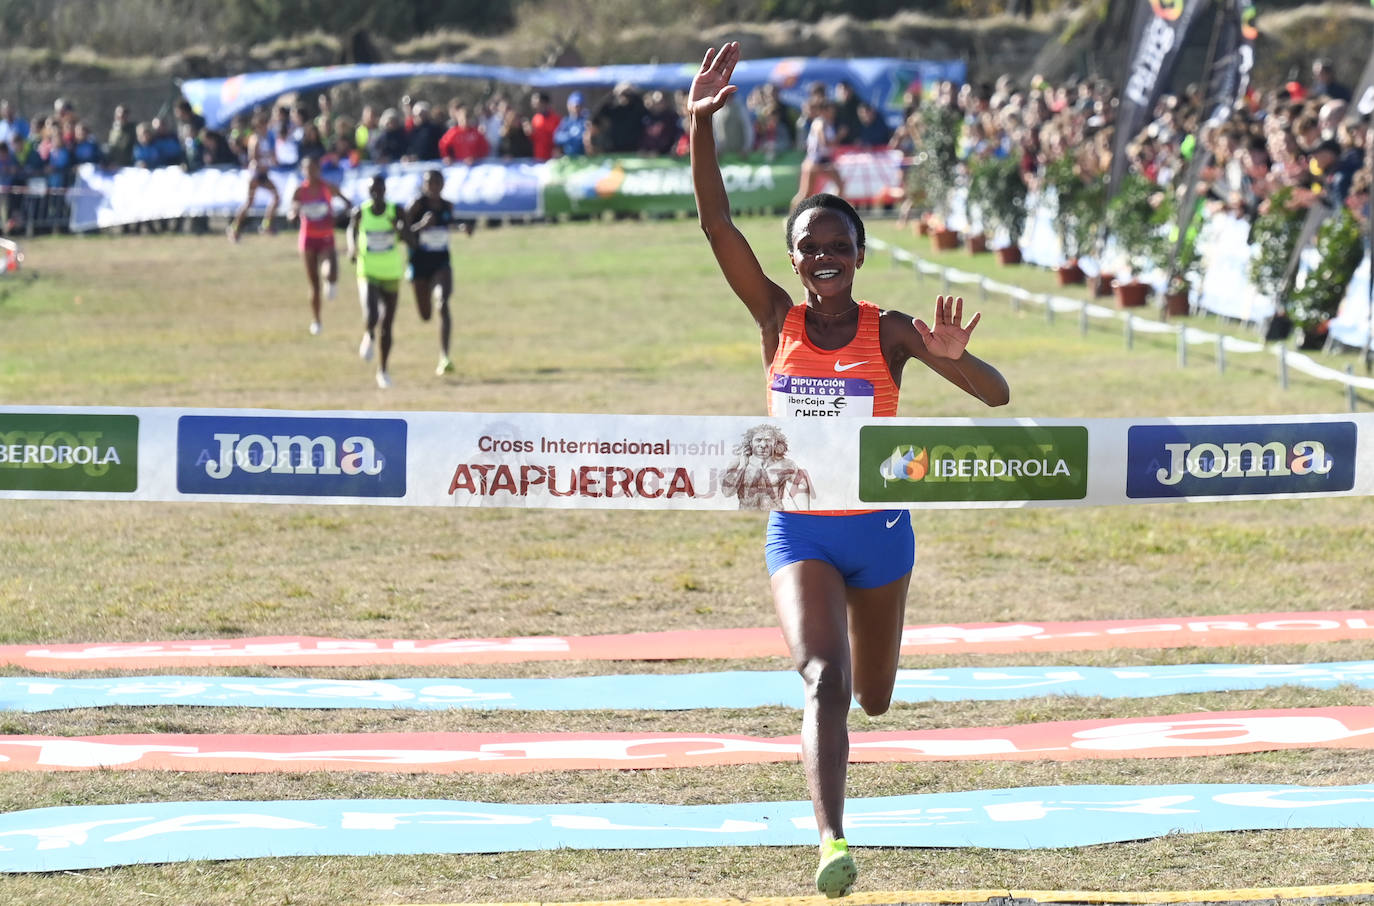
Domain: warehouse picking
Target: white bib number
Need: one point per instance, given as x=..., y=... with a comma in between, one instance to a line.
x=823, y=397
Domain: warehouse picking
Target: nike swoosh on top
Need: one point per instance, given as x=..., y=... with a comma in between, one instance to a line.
x=893, y=521
x=848, y=365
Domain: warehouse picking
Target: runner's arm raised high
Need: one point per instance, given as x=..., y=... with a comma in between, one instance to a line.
x=711, y=89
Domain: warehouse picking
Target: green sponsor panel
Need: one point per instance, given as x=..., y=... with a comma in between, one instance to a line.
x=919, y=464
x=65, y=452
x=592, y=185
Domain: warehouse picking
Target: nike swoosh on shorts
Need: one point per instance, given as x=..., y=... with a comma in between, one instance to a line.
x=893, y=521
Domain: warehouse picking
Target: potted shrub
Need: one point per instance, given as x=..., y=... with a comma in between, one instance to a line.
x=935, y=162
x=1275, y=236
x=1340, y=248
x=1005, y=204
x=976, y=205
x=1183, y=270
x=1074, y=216
x=1133, y=217
x=977, y=202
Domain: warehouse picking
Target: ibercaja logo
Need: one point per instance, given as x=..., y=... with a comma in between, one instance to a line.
x=972, y=463
x=66, y=452
x=308, y=457
x=1219, y=460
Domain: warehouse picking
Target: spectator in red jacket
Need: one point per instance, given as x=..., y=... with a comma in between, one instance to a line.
x=463, y=142
x=543, y=124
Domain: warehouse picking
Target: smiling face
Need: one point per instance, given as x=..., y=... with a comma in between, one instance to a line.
x=825, y=252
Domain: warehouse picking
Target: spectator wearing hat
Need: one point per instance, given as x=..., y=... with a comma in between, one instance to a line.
x=619, y=119
x=389, y=142
x=424, y=134
x=569, y=138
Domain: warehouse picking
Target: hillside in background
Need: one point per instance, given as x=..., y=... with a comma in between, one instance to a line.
x=98, y=53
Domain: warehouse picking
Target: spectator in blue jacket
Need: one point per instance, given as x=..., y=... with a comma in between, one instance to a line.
x=85, y=149
x=568, y=138
x=10, y=123
x=146, y=154
x=169, y=150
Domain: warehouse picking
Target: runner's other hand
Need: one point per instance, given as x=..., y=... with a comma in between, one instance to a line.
x=948, y=338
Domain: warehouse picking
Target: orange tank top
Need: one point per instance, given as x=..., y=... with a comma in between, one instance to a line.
x=853, y=381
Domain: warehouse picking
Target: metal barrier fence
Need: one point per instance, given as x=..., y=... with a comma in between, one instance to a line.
x=1184, y=337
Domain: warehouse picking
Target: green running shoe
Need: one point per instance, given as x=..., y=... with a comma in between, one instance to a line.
x=837, y=872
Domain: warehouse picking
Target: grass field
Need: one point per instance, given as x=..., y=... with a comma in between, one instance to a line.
x=620, y=317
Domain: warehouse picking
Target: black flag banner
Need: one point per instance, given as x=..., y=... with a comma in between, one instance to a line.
x=1157, y=33
x=1231, y=65
x=1231, y=58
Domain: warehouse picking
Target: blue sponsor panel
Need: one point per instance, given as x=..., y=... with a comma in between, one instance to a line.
x=1257, y=458
x=301, y=456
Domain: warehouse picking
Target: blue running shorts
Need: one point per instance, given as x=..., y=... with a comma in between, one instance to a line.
x=868, y=549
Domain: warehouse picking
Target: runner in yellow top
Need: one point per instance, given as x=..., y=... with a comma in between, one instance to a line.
x=381, y=264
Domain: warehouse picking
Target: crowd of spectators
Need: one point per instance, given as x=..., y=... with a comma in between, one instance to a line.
x=1294, y=135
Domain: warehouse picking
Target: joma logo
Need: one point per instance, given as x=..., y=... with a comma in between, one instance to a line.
x=297, y=454
x=1243, y=460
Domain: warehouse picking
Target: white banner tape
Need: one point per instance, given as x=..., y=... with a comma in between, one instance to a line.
x=675, y=462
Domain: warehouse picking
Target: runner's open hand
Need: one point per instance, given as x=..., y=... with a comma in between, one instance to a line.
x=948, y=338
x=711, y=86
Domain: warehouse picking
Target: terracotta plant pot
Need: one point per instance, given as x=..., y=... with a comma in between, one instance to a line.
x=1101, y=285
x=1132, y=295
x=1069, y=274
x=1312, y=338
x=1176, y=304
x=977, y=244
x=944, y=240
x=1009, y=255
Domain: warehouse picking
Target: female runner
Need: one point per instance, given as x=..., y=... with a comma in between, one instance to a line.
x=428, y=218
x=839, y=579
x=312, y=203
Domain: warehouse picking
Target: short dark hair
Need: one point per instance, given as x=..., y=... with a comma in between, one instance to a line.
x=828, y=202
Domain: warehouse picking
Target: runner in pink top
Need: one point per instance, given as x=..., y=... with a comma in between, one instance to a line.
x=312, y=205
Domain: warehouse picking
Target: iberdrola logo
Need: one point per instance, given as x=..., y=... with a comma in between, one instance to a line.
x=1168, y=10
x=905, y=464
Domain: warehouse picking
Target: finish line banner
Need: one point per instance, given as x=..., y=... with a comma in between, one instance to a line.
x=638, y=462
